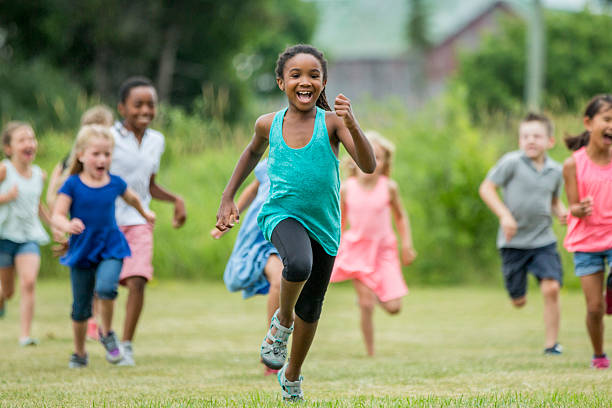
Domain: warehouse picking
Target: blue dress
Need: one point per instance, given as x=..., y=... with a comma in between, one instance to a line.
x=95, y=206
x=245, y=268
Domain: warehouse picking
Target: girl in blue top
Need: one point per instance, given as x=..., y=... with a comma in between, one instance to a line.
x=97, y=247
x=302, y=214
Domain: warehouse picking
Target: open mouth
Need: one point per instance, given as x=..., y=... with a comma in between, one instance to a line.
x=304, y=96
x=608, y=137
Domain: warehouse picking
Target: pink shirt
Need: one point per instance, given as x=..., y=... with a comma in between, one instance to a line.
x=594, y=232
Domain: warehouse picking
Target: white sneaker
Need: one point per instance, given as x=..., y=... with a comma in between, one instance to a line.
x=291, y=390
x=274, y=354
x=28, y=341
x=128, y=354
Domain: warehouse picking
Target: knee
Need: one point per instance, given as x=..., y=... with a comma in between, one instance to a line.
x=595, y=310
x=297, y=269
x=27, y=286
x=81, y=311
x=394, y=309
x=366, y=305
x=105, y=290
x=519, y=302
x=309, y=310
x=551, y=290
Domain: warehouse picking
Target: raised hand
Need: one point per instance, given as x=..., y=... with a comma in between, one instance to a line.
x=342, y=107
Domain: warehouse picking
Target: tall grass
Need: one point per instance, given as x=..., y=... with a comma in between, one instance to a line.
x=441, y=159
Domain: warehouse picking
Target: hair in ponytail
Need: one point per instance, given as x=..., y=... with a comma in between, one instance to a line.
x=595, y=106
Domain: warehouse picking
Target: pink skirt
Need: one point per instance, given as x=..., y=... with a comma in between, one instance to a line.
x=375, y=264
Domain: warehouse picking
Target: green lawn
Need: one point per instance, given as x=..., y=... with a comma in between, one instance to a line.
x=197, y=345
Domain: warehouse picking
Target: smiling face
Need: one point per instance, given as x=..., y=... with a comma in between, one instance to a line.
x=600, y=127
x=96, y=157
x=22, y=145
x=302, y=81
x=534, y=139
x=139, y=108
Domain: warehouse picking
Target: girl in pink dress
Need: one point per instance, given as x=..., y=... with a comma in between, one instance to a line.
x=588, y=185
x=368, y=253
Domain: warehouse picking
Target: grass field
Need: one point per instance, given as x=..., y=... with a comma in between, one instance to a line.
x=197, y=346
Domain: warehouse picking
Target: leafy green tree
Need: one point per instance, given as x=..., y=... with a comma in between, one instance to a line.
x=577, y=61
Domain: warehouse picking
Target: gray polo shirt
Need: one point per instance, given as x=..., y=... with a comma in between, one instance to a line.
x=528, y=194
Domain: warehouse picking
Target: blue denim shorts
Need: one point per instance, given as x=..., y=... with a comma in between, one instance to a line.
x=588, y=263
x=9, y=250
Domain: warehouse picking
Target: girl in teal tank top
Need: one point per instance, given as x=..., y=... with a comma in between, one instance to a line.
x=302, y=214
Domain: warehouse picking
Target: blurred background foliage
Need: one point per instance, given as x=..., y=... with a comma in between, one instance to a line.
x=213, y=64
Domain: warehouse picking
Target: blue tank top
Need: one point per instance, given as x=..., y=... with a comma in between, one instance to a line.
x=304, y=185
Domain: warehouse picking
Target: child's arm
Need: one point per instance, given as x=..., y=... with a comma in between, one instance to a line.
x=12, y=193
x=246, y=198
x=162, y=194
x=343, y=207
x=44, y=214
x=488, y=193
x=559, y=210
x=578, y=208
x=351, y=136
x=54, y=185
x=130, y=197
x=228, y=213
x=402, y=223
x=59, y=219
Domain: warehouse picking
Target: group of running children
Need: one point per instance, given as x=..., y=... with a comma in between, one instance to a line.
x=304, y=227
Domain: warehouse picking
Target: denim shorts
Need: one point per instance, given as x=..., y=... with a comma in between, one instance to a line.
x=588, y=263
x=101, y=279
x=9, y=250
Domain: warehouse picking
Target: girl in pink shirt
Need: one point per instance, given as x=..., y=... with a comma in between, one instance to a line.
x=368, y=252
x=588, y=185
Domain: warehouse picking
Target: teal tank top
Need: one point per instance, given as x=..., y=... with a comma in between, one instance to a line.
x=304, y=185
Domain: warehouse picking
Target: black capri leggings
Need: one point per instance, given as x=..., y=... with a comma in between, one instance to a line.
x=304, y=260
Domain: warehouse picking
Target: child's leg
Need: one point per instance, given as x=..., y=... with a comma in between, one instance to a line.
x=552, y=310
x=7, y=283
x=592, y=286
x=367, y=301
x=273, y=272
x=82, y=282
x=107, y=281
x=308, y=309
x=27, y=266
x=133, y=308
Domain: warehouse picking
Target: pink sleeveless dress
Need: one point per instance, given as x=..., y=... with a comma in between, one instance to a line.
x=368, y=249
x=594, y=232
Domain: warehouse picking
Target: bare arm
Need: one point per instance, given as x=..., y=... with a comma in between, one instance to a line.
x=343, y=220
x=130, y=197
x=160, y=193
x=12, y=193
x=59, y=219
x=559, y=210
x=54, y=185
x=244, y=201
x=351, y=136
x=402, y=223
x=44, y=214
x=228, y=213
x=488, y=193
x=579, y=208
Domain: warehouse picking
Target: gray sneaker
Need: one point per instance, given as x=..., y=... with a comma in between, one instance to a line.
x=128, y=354
x=77, y=361
x=274, y=346
x=111, y=344
x=291, y=390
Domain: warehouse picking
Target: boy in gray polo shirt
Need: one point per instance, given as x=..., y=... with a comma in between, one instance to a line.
x=531, y=183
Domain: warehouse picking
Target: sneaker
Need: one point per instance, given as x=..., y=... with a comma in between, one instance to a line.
x=28, y=341
x=291, y=390
x=92, y=330
x=111, y=344
x=128, y=354
x=274, y=354
x=554, y=350
x=600, y=363
x=77, y=361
